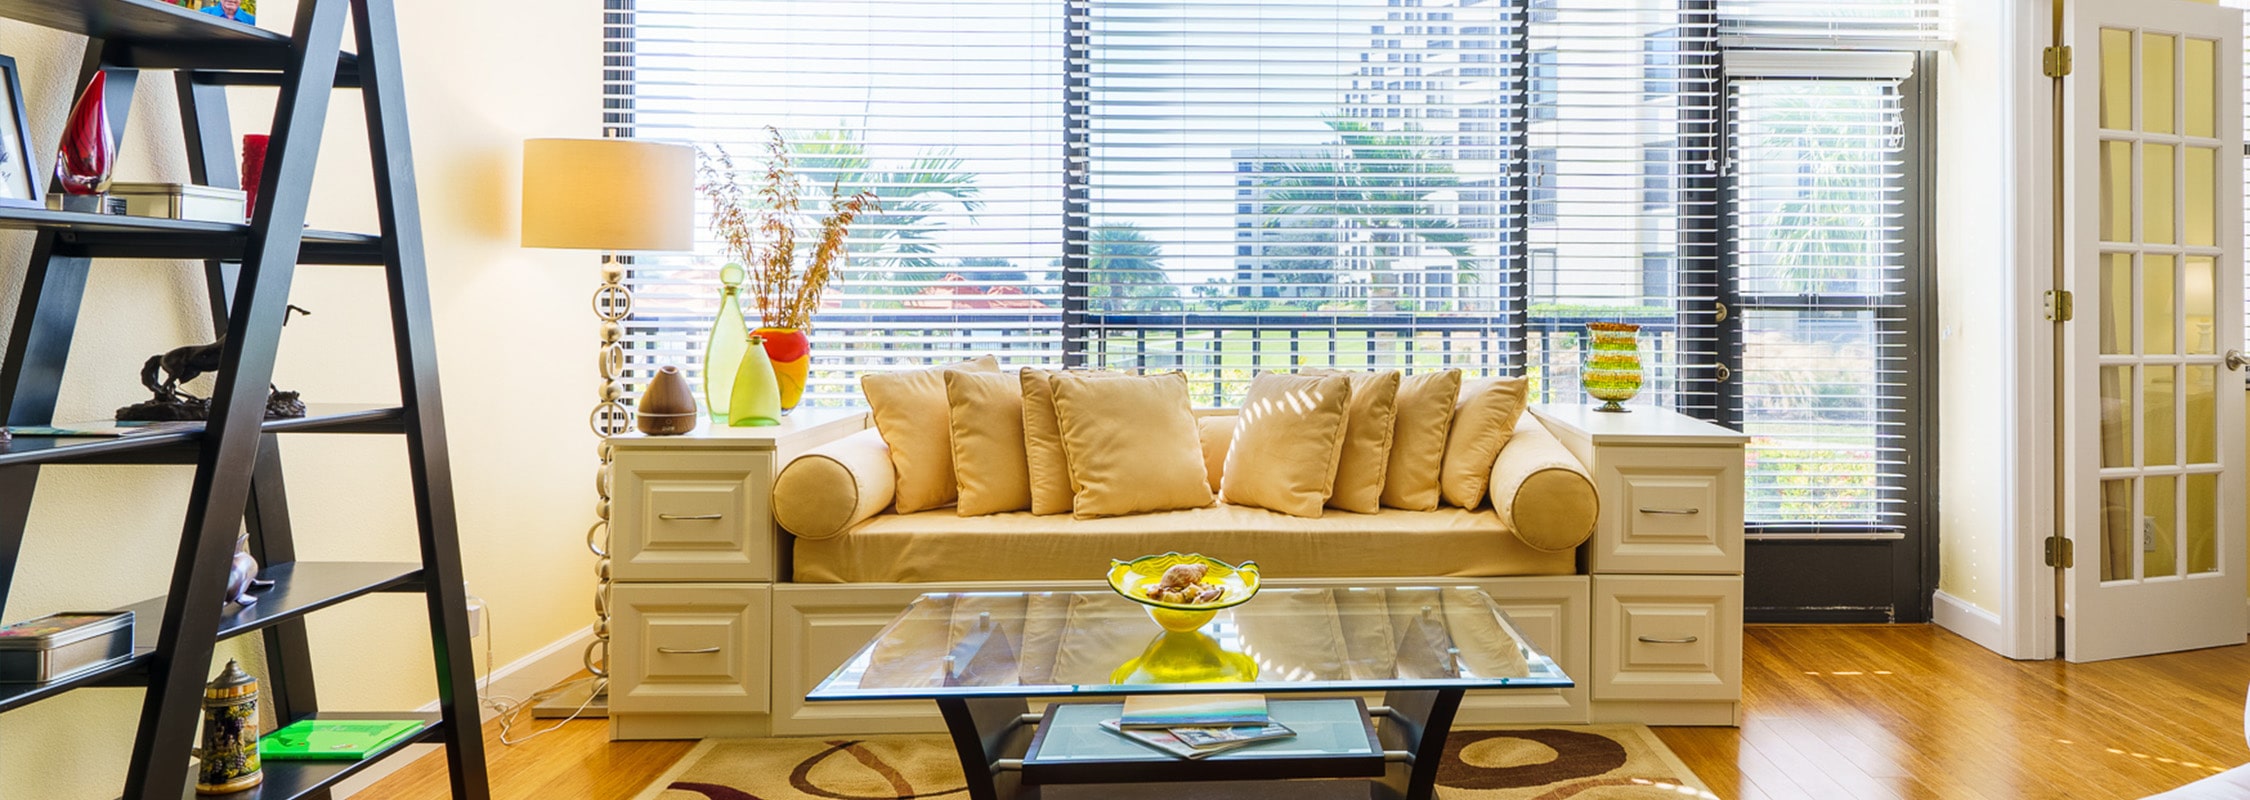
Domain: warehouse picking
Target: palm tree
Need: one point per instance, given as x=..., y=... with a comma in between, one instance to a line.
x=892, y=247
x=1370, y=181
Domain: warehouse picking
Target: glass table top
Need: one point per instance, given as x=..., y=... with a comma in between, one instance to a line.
x=1023, y=644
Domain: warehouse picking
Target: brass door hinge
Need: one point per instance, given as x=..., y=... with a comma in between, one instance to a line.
x=2054, y=61
x=2060, y=306
x=2060, y=553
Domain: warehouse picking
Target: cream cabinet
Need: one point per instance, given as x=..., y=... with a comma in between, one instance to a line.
x=1666, y=563
x=693, y=559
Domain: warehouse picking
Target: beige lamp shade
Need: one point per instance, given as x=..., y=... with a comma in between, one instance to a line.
x=608, y=194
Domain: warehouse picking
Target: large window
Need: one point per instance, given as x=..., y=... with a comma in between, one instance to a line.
x=1222, y=188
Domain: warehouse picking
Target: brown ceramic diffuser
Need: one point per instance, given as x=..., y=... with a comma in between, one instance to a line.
x=668, y=407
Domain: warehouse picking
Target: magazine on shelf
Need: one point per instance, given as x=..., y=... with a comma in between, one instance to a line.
x=1193, y=710
x=1164, y=741
x=1223, y=736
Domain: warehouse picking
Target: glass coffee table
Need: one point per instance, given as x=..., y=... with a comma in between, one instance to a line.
x=981, y=656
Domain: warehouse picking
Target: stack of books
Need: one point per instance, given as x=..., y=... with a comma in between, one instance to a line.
x=1197, y=726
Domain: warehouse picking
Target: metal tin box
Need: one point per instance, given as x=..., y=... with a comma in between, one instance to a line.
x=181, y=201
x=59, y=646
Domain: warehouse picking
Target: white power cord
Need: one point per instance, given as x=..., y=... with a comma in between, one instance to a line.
x=511, y=709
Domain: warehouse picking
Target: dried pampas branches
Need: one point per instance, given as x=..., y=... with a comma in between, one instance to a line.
x=763, y=233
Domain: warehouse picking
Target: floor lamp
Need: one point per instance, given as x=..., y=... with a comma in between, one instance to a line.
x=610, y=195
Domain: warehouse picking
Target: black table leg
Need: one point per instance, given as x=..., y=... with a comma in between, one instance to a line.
x=1417, y=723
x=988, y=729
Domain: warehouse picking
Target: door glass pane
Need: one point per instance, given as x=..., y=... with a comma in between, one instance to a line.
x=2118, y=534
x=2199, y=59
x=2117, y=191
x=2157, y=308
x=2200, y=203
x=2157, y=76
x=2117, y=79
x=2117, y=417
x=2159, y=439
x=2202, y=414
x=2201, y=526
x=2117, y=303
x=2158, y=522
x=2202, y=294
x=2156, y=194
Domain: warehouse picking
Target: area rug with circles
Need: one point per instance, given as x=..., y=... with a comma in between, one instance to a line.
x=1588, y=762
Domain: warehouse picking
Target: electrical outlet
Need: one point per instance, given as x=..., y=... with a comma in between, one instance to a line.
x=2148, y=534
x=476, y=616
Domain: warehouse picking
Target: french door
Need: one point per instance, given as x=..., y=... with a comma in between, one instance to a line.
x=2152, y=454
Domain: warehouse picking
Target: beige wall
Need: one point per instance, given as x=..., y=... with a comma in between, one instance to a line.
x=515, y=348
x=1974, y=342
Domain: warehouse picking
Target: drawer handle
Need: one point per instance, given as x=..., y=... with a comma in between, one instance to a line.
x=680, y=517
x=1661, y=640
x=677, y=651
x=1673, y=512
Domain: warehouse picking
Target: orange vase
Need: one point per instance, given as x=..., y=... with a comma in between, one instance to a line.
x=791, y=353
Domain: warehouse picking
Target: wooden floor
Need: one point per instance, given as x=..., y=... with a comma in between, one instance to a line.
x=1832, y=713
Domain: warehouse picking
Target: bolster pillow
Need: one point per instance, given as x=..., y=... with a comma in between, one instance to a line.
x=835, y=486
x=1541, y=491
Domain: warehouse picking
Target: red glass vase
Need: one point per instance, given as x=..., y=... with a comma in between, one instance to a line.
x=88, y=149
x=791, y=353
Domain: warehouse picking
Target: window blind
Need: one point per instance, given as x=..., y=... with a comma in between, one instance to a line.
x=950, y=111
x=1837, y=24
x=1818, y=246
x=1294, y=183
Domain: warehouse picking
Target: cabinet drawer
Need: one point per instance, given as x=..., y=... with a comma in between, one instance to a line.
x=690, y=648
x=1669, y=509
x=688, y=516
x=1667, y=638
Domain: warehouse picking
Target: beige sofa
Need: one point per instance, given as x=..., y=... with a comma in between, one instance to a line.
x=835, y=500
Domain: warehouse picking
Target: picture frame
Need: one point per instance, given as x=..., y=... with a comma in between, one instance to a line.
x=21, y=185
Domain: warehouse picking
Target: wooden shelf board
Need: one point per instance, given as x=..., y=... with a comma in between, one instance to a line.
x=140, y=22
x=117, y=236
x=155, y=447
x=300, y=588
x=287, y=780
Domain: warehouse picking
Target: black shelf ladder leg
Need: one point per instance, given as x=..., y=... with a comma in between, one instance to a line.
x=383, y=93
x=224, y=470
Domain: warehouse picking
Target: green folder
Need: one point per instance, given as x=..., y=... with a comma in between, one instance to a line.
x=334, y=739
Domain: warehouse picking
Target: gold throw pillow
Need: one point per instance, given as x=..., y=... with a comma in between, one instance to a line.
x=1367, y=439
x=1051, y=486
x=1425, y=416
x=910, y=412
x=1482, y=423
x=1286, y=442
x=1131, y=443
x=988, y=457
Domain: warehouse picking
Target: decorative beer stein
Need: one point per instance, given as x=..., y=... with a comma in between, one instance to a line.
x=230, y=734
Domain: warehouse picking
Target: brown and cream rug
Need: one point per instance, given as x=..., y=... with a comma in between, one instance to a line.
x=1593, y=762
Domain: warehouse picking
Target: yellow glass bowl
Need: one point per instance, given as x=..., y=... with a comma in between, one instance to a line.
x=1130, y=578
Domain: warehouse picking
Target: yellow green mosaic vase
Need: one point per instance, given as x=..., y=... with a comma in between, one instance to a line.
x=1613, y=364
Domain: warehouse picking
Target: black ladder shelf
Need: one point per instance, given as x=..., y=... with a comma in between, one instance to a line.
x=238, y=477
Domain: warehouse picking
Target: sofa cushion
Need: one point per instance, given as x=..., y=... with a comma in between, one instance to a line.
x=986, y=420
x=1541, y=491
x=1218, y=432
x=1425, y=416
x=1482, y=422
x=1367, y=442
x=834, y=486
x=1286, y=442
x=943, y=546
x=910, y=410
x=1051, y=488
x=1131, y=443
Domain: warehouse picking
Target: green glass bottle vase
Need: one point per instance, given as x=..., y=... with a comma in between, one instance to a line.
x=756, y=400
x=729, y=337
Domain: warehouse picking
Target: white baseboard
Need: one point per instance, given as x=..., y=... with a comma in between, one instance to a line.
x=1972, y=623
x=519, y=679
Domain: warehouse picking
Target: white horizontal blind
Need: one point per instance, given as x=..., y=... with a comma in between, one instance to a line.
x=950, y=111
x=1819, y=250
x=1274, y=184
x=1622, y=211
x=1837, y=24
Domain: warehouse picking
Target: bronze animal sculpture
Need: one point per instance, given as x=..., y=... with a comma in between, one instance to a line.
x=163, y=373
